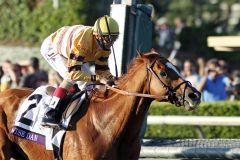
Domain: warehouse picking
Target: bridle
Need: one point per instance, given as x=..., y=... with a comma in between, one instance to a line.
x=171, y=91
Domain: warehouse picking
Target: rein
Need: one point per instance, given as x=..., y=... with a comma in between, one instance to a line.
x=126, y=93
x=172, y=91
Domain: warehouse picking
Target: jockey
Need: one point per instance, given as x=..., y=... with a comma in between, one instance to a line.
x=69, y=49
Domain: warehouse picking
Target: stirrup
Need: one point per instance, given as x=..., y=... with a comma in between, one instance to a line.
x=50, y=120
x=51, y=125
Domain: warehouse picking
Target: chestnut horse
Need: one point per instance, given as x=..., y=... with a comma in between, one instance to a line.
x=110, y=127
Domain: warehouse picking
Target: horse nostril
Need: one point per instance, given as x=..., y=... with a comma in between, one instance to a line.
x=193, y=95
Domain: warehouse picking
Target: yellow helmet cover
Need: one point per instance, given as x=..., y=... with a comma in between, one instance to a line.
x=105, y=25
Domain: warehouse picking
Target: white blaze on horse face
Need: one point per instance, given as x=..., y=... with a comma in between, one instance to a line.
x=171, y=66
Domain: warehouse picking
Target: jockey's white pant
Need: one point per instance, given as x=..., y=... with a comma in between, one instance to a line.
x=59, y=63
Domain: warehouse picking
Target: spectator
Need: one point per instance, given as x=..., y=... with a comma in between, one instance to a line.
x=24, y=70
x=15, y=74
x=11, y=75
x=180, y=24
x=223, y=67
x=235, y=77
x=213, y=85
x=189, y=72
x=164, y=35
x=235, y=85
x=201, y=66
x=36, y=77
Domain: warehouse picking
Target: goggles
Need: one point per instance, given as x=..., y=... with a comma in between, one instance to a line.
x=108, y=40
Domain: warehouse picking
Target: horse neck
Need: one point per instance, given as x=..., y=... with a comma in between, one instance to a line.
x=118, y=111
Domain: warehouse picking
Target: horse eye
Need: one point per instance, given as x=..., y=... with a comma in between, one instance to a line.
x=163, y=74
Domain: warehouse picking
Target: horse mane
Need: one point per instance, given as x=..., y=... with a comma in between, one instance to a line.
x=102, y=97
x=135, y=63
x=141, y=59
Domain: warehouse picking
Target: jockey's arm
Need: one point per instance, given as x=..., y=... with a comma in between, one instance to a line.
x=75, y=63
x=102, y=69
x=105, y=77
x=101, y=65
x=77, y=75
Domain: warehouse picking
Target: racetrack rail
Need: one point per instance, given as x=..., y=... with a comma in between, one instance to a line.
x=191, y=148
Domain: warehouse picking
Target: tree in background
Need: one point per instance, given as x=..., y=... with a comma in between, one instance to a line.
x=30, y=21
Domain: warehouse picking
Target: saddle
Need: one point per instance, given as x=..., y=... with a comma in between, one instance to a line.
x=70, y=105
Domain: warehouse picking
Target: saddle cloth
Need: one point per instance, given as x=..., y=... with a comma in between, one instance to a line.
x=29, y=117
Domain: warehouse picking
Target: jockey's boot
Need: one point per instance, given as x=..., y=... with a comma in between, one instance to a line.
x=51, y=118
x=53, y=115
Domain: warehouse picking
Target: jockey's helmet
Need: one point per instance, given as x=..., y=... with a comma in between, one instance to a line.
x=107, y=30
x=106, y=25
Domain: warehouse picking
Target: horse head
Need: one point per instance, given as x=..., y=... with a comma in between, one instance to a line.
x=164, y=79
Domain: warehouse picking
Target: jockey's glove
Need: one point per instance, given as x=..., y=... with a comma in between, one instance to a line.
x=109, y=81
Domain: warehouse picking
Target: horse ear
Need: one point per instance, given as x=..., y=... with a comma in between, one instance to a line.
x=139, y=54
x=153, y=50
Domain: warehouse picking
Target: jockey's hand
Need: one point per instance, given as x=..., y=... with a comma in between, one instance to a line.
x=109, y=81
x=103, y=80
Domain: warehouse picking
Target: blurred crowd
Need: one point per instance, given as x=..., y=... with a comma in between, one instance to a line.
x=26, y=74
x=212, y=77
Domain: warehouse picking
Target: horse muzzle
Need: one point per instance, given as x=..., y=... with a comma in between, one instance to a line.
x=190, y=99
